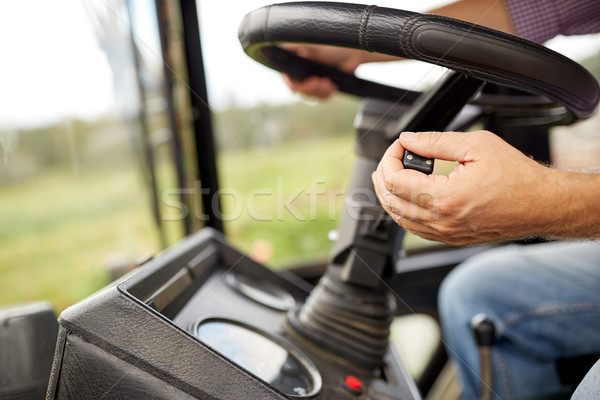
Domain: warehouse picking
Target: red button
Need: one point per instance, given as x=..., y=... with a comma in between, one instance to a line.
x=353, y=383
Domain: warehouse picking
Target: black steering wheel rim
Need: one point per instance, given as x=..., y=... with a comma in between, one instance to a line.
x=474, y=50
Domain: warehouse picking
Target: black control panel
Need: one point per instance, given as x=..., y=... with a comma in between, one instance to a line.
x=205, y=321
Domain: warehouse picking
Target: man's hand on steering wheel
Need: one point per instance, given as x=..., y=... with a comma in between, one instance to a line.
x=489, y=13
x=344, y=59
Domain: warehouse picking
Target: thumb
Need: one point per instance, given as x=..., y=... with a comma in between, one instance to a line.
x=449, y=146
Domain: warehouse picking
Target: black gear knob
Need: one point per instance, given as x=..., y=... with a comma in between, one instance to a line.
x=484, y=330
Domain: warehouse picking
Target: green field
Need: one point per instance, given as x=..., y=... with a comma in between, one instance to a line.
x=58, y=232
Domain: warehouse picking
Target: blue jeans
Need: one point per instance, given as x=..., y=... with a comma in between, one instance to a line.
x=545, y=302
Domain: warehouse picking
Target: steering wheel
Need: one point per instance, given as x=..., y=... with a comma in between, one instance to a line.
x=473, y=50
x=480, y=53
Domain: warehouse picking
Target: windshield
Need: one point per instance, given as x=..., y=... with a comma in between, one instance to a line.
x=94, y=157
x=76, y=202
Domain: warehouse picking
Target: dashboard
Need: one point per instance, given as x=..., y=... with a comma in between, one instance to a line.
x=205, y=321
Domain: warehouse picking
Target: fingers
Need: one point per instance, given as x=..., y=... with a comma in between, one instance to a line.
x=303, y=50
x=407, y=184
x=391, y=161
x=450, y=146
x=396, y=207
x=406, y=195
x=404, y=204
x=313, y=86
x=416, y=216
x=344, y=59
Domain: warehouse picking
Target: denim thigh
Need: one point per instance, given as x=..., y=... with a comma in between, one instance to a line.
x=545, y=302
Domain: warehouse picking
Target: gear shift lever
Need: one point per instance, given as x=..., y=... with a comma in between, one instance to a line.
x=485, y=336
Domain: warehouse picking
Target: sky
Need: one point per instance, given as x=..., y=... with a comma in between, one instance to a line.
x=233, y=75
x=53, y=65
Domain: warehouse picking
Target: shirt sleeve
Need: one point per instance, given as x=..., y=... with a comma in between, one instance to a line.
x=541, y=20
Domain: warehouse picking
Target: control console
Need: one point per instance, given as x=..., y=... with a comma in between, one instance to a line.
x=205, y=321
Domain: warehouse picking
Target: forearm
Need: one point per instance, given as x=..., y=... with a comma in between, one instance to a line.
x=491, y=13
x=571, y=205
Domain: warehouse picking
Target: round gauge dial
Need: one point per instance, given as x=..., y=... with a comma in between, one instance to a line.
x=263, y=292
x=269, y=359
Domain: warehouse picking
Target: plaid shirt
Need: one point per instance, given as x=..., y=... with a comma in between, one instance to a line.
x=541, y=20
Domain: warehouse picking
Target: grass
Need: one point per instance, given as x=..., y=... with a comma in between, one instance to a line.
x=57, y=232
x=287, y=197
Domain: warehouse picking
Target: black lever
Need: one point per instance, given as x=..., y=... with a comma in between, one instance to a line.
x=411, y=160
x=485, y=336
